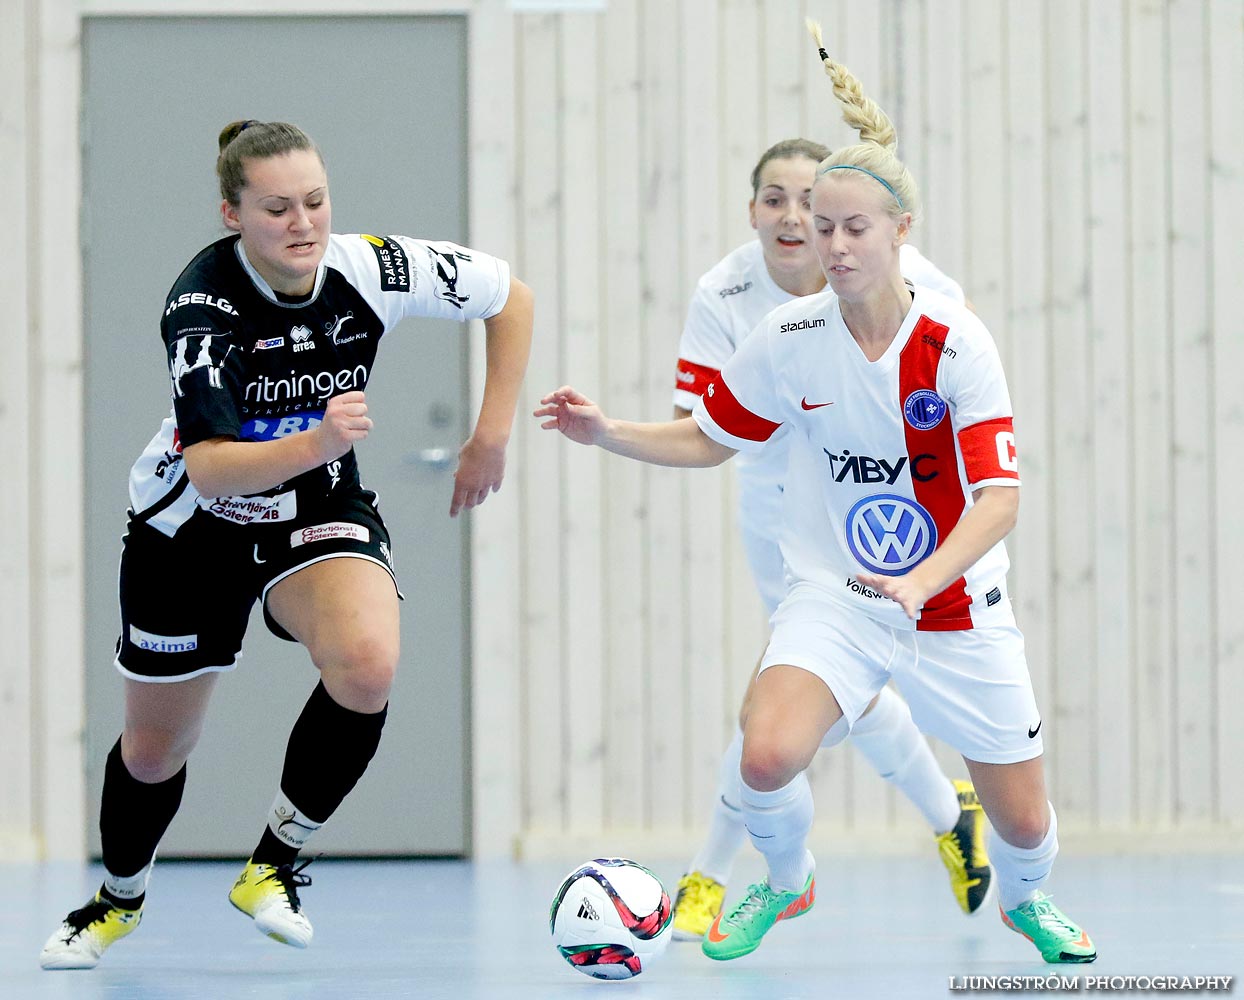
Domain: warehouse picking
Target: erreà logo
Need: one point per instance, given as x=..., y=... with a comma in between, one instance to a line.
x=803, y=324
x=301, y=336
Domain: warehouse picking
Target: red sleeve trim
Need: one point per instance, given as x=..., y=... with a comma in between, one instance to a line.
x=694, y=378
x=733, y=417
x=989, y=450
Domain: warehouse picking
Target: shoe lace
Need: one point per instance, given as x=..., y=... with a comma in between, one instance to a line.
x=94, y=912
x=1049, y=918
x=290, y=878
x=759, y=898
x=951, y=849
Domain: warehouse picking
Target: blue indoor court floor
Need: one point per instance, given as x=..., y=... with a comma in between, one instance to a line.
x=882, y=927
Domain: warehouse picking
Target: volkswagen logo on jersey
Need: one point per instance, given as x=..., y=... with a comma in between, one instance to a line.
x=889, y=534
x=924, y=409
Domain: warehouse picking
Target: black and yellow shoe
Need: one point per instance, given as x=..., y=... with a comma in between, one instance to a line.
x=697, y=904
x=87, y=933
x=963, y=852
x=270, y=897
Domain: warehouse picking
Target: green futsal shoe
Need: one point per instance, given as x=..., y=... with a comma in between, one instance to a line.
x=738, y=932
x=1045, y=925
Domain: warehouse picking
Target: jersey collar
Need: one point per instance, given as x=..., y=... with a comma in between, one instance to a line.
x=266, y=290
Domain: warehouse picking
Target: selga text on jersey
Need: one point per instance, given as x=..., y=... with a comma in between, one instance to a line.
x=249, y=365
x=884, y=455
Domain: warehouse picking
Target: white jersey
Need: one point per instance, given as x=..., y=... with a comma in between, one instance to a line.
x=884, y=455
x=730, y=301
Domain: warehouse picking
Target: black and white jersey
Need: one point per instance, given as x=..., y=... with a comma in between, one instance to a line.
x=249, y=364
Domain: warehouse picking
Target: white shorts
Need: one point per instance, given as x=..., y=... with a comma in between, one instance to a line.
x=970, y=688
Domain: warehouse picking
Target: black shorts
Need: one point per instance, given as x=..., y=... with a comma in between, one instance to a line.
x=186, y=600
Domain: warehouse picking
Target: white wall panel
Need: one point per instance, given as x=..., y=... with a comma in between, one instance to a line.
x=1082, y=166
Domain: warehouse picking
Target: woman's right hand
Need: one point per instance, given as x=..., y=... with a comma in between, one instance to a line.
x=345, y=423
x=572, y=413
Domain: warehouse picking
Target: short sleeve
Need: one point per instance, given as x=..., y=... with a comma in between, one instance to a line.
x=706, y=344
x=400, y=276
x=741, y=408
x=983, y=419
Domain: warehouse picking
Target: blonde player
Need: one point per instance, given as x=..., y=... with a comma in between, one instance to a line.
x=902, y=483
x=776, y=268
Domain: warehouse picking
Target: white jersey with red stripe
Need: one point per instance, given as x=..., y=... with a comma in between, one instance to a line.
x=730, y=301
x=884, y=455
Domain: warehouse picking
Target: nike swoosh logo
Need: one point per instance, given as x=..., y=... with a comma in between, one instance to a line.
x=1033, y=732
x=813, y=406
x=713, y=934
x=257, y=559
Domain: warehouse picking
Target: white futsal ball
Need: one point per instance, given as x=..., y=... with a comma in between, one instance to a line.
x=610, y=918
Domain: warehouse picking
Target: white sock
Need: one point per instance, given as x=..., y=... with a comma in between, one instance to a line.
x=129, y=886
x=778, y=823
x=726, y=831
x=895, y=747
x=1019, y=872
x=290, y=826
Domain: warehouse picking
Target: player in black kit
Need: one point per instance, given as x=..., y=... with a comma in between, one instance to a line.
x=250, y=490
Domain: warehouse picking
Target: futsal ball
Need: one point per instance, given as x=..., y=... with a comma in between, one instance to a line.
x=610, y=918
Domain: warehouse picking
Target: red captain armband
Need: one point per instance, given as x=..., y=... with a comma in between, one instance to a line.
x=989, y=450
x=733, y=417
x=691, y=377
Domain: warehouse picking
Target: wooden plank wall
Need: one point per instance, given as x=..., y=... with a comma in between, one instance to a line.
x=1082, y=165
x=1081, y=168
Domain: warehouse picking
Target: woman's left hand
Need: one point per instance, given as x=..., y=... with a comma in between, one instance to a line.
x=481, y=467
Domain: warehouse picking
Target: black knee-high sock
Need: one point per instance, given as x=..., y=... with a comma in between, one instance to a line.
x=329, y=749
x=133, y=816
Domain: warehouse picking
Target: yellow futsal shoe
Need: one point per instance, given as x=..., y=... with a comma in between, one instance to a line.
x=698, y=902
x=87, y=933
x=963, y=852
x=270, y=896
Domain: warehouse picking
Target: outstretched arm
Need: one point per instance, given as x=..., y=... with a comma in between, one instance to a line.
x=481, y=461
x=679, y=443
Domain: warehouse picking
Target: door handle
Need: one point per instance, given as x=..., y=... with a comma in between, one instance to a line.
x=436, y=459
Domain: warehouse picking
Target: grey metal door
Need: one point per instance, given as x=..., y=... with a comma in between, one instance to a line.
x=385, y=98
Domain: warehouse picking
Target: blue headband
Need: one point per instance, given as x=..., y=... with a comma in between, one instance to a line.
x=879, y=180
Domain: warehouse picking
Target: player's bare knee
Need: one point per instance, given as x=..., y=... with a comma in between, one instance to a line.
x=767, y=765
x=1023, y=828
x=155, y=755
x=359, y=674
